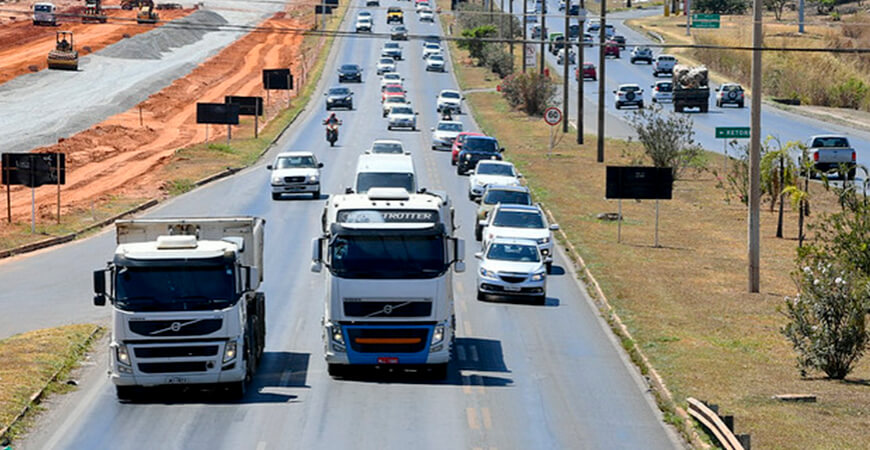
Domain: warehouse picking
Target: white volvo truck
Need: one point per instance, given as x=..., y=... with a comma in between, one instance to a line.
x=389, y=283
x=185, y=305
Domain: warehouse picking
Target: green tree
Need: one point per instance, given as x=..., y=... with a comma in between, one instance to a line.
x=668, y=139
x=473, y=43
x=778, y=171
x=721, y=6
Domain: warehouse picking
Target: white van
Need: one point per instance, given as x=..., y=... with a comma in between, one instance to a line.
x=43, y=14
x=380, y=170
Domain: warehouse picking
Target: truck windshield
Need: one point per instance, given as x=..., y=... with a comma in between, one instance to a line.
x=368, y=180
x=386, y=256
x=176, y=288
x=830, y=142
x=42, y=8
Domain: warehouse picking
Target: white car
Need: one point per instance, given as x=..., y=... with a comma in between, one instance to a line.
x=662, y=92
x=628, y=95
x=364, y=24
x=392, y=78
x=427, y=15
x=512, y=268
x=423, y=6
x=295, y=173
x=435, y=63
x=402, y=117
x=560, y=57
x=386, y=65
x=430, y=48
x=392, y=50
x=664, y=64
x=389, y=102
x=445, y=133
x=387, y=147
x=521, y=222
x=491, y=172
x=449, y=99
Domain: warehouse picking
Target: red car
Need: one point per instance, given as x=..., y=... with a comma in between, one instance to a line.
x=588, y=72
x=611, y=48
x=457, y=144
x=391, y=90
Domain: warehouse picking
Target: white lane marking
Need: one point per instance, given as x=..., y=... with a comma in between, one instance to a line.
x=471, y=414
x=473, y=349
x=467, y=325
x=460, y=352
x=487, y=418
x=261, y=445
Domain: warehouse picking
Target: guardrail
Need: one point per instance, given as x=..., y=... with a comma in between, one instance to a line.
x=722, y=427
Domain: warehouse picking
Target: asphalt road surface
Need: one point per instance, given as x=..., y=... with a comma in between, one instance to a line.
x=787, y=126
x=525, y=376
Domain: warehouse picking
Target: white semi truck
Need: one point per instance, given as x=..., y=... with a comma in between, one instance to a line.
x=389, y=283
x=185, y=305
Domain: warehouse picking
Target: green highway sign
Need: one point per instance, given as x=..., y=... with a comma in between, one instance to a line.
x=705, y=24
x=732, y=132
x=706, y=17
x=705, y=20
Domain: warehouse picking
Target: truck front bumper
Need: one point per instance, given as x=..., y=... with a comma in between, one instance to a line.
x=143, y=370
x=388, y=344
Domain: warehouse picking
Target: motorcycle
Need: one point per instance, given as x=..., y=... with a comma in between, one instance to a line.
x=332, y=132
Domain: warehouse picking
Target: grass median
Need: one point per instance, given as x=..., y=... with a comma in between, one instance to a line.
x=29, y=361
x=686, y=302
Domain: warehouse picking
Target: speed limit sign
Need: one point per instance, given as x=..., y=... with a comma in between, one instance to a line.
x=552, y=116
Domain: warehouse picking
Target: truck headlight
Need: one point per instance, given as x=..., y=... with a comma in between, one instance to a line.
x=539, y=276
x=230, y=351
x=544, y=240
x=121, y=354
x=313, y=178
x=487, y=273
x=335, y=335
x=276, y=180
x=438, y=335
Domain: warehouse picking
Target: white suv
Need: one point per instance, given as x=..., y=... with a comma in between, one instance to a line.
x=628, y=95
x=664, y=64
x=512, y=268
x=449, y=99
x=521, y=222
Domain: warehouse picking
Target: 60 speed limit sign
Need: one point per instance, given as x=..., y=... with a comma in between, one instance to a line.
x=552, y=116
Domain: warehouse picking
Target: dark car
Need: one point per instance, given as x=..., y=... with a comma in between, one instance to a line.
x=620, y=40
x=573, y=32
x=339, y=97
x=349, y=72
x=574, y=10
x=475, y=149
x=399, y=33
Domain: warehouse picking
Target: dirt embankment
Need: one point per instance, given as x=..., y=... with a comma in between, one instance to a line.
x=24, y=46
x=119, y=156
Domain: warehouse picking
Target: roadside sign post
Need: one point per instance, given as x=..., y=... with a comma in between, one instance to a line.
x=726, y=133
x=32, y=170
x=639, y=183
x=552, y=116
x=705, y=20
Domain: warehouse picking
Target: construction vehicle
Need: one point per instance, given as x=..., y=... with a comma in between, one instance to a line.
x=186, y=305
x=93, y=12
x=44, y=14
x=64, y=56
x=146, y=13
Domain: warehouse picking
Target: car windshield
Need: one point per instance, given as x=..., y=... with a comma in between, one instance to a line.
x=175, y=288
x=350, y=67
x=394, y=88
x=388, y=256
x=513, y=252
x=395, y=99
x=339, y=91
x=629, y=88
x=732, y=88
x=391, y=45
x=447, y=94
x=387, y=61
x=436, y=58
x=495, y=169
x=480, y=145
x=432, y=46
x=387, y=147
x=518, y=219
x=457, y=127
x=588, y=66
x=296, y=162
x=42, y=8
x=392, y=76
x=368, y=180
x=402, y=110
x=399, y=29
x=507, y=197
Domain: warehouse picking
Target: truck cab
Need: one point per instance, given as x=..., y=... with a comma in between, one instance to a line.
x=833, y=154
x=44, y=14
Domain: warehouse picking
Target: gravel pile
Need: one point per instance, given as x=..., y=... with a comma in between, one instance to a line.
x=163, y=39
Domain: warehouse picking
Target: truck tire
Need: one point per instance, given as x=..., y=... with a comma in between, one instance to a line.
x=336, y=370
x=478, y=233
x=851, y=174
x=276, y=196
x=126, y=393
x=235, y=391
x=439, y=371
x=705, y=108
x=316, y=195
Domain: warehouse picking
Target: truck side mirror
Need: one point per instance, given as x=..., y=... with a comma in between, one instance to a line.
x=459, y=256
x=252, y=275
x=100, y=287
x=316, y=255
x=320, y=165
x=269, y=167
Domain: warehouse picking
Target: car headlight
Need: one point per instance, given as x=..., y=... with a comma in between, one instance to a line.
x=121, y=355
x=437, y=335
x=467, y=156
x=543, y=240
x=230, y=351
x=539, y=276
x=313, y=178
x=487, y=273
x=276, y=180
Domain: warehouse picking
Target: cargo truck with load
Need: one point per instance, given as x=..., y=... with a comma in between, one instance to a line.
x=185, y=304
x=691, y=89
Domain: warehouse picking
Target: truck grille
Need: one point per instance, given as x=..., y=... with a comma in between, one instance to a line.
x=173, y=367
x=176, y=352
x=294, y=179
x=388, y=340
x=387, y=309
x=165, y=328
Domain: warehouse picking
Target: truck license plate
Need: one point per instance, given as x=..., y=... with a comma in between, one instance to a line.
x=176, y=380
x=388, y=360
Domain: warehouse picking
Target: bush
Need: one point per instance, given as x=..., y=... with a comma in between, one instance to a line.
x=850, y=93
x=827, y=318
x=473, y=44
x=720, y=6
x=498, y=60
x=528, y=92
x=667, y=138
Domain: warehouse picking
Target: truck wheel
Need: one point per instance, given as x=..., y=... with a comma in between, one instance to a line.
x=549, y=266
x=705, y=108
x=336, y=370
x=851, y=174
x=478, y=233
x=439, y=371
x=126, y=393
x=316, y=195
x=236, y=390
x=276, y=196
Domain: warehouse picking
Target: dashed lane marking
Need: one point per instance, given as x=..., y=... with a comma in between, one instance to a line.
x=471, y=414
x=487, y=418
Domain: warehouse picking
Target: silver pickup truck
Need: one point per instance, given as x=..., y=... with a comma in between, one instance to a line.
x=831, y=153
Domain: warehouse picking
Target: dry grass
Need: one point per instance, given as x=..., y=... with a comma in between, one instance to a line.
x=29, y=360
x=814, y=78
x=686, y=302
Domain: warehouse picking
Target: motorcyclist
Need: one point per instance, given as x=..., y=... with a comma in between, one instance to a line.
x=332, y=120
x=446, y=114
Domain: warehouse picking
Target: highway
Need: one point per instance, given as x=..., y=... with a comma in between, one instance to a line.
x=783, y=124
x=525, y=376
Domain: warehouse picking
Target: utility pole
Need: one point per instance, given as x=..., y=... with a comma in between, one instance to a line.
x=688, y=17
x=580, y=51
x=511, y=26
x=755, y=152
x=544, y=33
x=801, y=16
x=601, y=79
x=525, y=30
x=566, y=79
